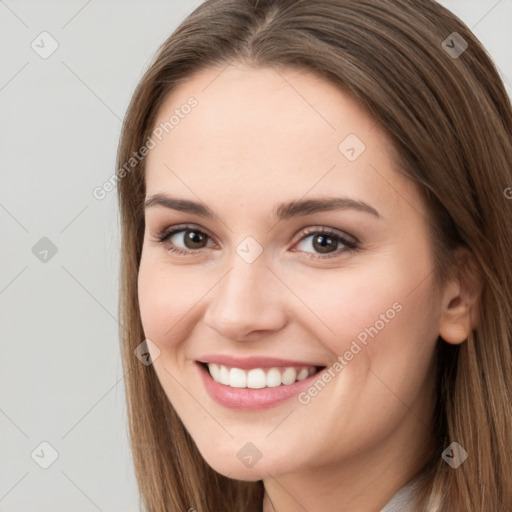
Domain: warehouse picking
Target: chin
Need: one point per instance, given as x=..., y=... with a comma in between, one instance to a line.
x=243, y=464
x=235, y=469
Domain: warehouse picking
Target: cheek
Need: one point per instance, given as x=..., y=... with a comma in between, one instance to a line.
x=343, y=307
x=379, y=318
x=166, y=300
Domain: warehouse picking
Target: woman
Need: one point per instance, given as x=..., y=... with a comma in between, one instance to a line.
x=316, y=262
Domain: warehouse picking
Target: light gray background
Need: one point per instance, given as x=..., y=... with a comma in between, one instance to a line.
x=61, y=378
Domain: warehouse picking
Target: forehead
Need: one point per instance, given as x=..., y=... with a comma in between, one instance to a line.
x=264, y=132
x=253, y=104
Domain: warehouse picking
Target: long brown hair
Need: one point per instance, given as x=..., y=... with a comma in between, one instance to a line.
x=450, y=119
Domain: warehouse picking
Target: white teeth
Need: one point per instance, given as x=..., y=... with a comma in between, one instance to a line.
x=289, y=376
x=215, y=371
x=273, y=378
x=303, y=374
x=258, y=378
x=223, y=376
x=237, y=378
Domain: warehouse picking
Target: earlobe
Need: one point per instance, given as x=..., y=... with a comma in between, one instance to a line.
x=460, y=305
x=455, y=330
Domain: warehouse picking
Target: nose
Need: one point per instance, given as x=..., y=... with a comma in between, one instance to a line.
x=247, y=299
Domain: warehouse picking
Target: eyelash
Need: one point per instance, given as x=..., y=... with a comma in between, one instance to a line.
x=350, y=246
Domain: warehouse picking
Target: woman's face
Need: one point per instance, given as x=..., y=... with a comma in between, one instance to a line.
x=282, y=271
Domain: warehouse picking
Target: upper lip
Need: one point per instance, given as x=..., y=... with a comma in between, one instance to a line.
x=246, y=363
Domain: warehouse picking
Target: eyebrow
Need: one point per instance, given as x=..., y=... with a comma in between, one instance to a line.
x=283, y=211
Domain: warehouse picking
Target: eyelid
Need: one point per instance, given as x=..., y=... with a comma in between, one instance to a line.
x=350, y=242
x=327, y=230
x=176, y=228
x=162, y=236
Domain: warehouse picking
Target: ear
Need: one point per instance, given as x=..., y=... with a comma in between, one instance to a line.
x=461, y=299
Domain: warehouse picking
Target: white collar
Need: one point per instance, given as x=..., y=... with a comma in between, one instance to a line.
x=402, y=501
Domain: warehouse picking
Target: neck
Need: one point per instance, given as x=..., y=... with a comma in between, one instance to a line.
x=366, y=482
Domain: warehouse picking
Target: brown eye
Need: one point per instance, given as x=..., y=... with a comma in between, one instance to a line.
x=183, y=239
x=195, y=239
x=324, y=244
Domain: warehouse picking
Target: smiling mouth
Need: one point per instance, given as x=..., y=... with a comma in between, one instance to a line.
x=259, y=378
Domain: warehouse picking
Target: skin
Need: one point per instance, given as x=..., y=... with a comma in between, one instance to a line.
x=257, y=138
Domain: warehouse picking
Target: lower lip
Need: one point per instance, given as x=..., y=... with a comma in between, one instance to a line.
x=252, y=399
